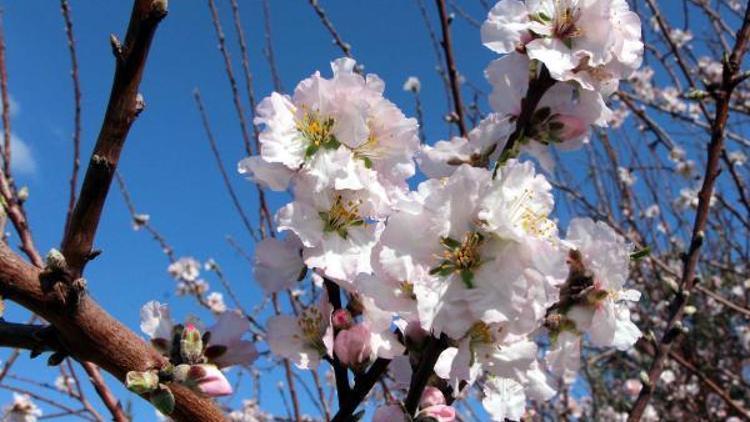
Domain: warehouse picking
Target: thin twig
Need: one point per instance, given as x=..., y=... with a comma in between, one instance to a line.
x=268, y=49
x=65, y=7
x=220, y=164
x=230, y=76
x=450, y=61
x=345, y=47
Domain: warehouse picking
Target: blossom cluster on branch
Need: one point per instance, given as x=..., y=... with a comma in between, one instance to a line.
x=473, y=255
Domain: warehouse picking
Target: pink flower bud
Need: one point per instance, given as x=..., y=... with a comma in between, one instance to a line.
x=431, y=397
x=633, y=387
x=389, y=413
x=573, y=127
x=441, y=413
x=341, y=319
x=191, y=344
x=210, y=380
x=352, y=346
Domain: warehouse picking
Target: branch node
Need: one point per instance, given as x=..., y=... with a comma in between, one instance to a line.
x=116, y=47
x=140, y=104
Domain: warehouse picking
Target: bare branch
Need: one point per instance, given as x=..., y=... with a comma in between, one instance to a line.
x=731, y=68
x=125, y=104
x=450, y=61
x=65, y=7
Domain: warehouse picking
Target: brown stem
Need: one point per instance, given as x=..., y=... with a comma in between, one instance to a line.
x=230, y=75
x=6, y=106
x=220, y=164
x=288, y=369
x=423, y=372
x=65, y=7
x=108, y=398
x=326, y=21
x=450, y=61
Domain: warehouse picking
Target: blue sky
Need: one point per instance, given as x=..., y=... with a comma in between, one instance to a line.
x=167, y=162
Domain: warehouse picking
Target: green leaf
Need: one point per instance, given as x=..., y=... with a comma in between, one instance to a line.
x=450, y=243
x=637, y=255
x=311, y=150
x=163, y=399
x=467, y=276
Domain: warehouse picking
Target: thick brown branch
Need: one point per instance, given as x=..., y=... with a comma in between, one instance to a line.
x=122, y=110
x=91, y=334
x=34, y=337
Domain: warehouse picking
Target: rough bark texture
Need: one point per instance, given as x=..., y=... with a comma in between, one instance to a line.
x=91, y=334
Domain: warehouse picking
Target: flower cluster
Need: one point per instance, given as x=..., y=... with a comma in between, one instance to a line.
x=473, y=256
x=23, y=409
x=585, y=46
x=196, y=355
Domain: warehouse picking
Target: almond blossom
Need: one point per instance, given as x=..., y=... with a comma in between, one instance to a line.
x=575, y=39
x=304, y=339
x=563, y=116
x=346, y=116
x=278, y=263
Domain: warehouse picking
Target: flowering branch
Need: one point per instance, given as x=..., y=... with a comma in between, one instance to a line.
x=424, y=371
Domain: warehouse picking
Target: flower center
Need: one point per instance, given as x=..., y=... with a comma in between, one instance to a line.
x=481, y=333
x=462, y=257
x=407, y=289
x=532, y=222
x=311, y=324
x=343, y=214
x=318, y=131
x=564, y=23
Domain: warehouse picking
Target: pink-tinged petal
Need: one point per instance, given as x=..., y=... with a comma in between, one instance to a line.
x=352, y=346
x=431, y=397
x=441, y=413
x=389, y=413
x=274, y=176
x=213, y=383
x=155, y=320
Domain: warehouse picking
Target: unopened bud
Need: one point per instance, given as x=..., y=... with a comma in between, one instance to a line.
x=341, y=319
x=159, y=6
x=191, y=344
x=56, y=260
x=645, y=380
x=690, y=310
x=141, y=382
x=23, y=194
x=672, y=283
x=352, y=346
x=163, y=399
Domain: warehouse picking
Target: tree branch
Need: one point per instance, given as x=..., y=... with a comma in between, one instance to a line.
x=124, y=106
x=91, y=334
x=65, y=7
x=450, y=61
x=731, y=68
